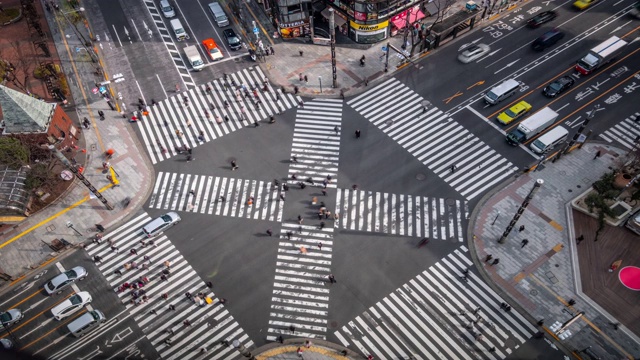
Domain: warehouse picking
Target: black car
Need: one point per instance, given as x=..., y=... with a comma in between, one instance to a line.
x=558, y=86
x=232, y=39
x=547, y=39
x=541, y=18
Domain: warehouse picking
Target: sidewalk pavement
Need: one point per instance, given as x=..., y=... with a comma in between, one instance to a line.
x=543, y=276
x=288, y=350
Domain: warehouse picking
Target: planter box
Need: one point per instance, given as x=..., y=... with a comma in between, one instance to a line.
x=622, y=209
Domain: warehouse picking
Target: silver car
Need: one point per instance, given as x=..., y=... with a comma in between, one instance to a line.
x=71, y=305
x=10, y=317
x=473, y=52
x=64, y=280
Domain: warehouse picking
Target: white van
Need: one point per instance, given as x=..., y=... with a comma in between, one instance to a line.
x=549, y=140
x=86, y=322
x=178, y=30
x=167, y=9
x=218, y=14
x=501, y=92
x=161, y=224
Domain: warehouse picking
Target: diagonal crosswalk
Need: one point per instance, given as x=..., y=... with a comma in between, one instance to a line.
x=174, y=123
x=301, y=287
x=210, y=324
x=399, y=214
x=439, y=315
x=316, y=143
x=625, y=133
x=433, y=138
x=221, y=196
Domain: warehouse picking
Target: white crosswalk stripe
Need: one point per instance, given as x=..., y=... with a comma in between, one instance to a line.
x=394, y=214
x=158, y=128
x=301, y=287
x=434, y=316
x=251, y=199
x=210, y=323
x=433, y=138
x=625, y=133
x=316, y=143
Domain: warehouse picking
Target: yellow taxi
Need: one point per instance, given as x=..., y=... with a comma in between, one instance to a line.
x=212, y=49
x=514, y=112
x=583, y=4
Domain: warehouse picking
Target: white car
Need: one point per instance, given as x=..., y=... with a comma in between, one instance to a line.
x=10, y=317
x=64, y=280
x=71, y=305
x=473, y=52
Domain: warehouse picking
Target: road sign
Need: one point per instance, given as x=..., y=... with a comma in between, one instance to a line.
x=255, y=30
x=385, y=49
x=103, y=89
x=94, y=90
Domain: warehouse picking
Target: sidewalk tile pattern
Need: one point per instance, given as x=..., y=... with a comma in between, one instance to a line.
x=399, y=214
x=210, y=324
x=158, y=129
x=432, y=317
x=625, y=133
x=434, y=138
x=301, y=287
x=316, y=141
x=172, y=191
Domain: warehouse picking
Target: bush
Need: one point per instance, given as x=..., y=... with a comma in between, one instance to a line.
x=604, y=187
x=38, y=175
x=13, y=153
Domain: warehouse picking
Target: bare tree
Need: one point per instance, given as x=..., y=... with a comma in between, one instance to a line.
x=418, y=35
x=18, y=66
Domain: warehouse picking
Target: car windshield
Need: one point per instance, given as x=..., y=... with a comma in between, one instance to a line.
x=167, y=8
x=166, y=218
x=510, y=113
x=180, y=31
x=71, y=274
x=5, y=317
x=75, y=299
x=214, y=51
x=491, y=95
x=556, y=85
x=539, y=144
x=95, y=315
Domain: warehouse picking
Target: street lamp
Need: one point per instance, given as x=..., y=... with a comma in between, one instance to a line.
x=320, y=80
x=81, y=37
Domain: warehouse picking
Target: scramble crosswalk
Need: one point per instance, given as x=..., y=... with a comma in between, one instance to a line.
x=625, y=133
x=172, y=123
x=207, y=326
x=316, y=141
x=300, y=300
x=434, y=138
x=439, y=315
x=399, y=214
x=222, y=196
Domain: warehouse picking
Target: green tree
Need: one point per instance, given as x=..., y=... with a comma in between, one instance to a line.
x=13, y=153
x=39, y=175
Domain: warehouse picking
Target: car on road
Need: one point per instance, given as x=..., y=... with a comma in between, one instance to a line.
x=158, y=225
x=71, y=305
x=473, y=52
x=556, y=87
x=541, y=18
x=167, y=9
x=64, y=280
x=10, y=317
x=212, y=49
x=232, y=39
x=583, y=4
x=547, y=40
x=514, y=112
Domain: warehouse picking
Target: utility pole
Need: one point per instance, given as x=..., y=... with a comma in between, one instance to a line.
x=521, y=209
x=332, y=35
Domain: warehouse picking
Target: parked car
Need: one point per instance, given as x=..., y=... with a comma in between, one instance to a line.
x=473, y=52
x=541, y=18
x=10, y=317
x=232, y=39
x=64, y=280
x=71, y=305
x=514, y=112
x=212, y=49
x=556, y=87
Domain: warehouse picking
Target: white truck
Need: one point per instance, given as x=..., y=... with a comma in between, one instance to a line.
x=600, y=55
x=532, y=126
x=193, y=55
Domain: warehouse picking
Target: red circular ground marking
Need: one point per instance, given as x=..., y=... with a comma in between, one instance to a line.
x=630, y=277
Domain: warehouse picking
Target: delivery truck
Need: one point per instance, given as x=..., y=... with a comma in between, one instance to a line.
x=532, y=126
x=193, y=55
x=600, y=55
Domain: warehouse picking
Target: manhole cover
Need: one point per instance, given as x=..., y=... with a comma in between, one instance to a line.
x=389, y=122
x=562, y=173
x=421, y=177
x=333, y=324
x=509, y=343
x=533, y=292
x=449, y=201
x=570, y=190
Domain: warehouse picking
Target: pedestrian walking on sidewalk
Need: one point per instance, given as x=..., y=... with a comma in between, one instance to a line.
x=579, y=239
x=357, y=134
x=495, y=262
x=97, y=259
x=300, y=219
x=488, y=257
x=301, y=52
x=524, y=243
x=322, y=225
x=273, y=52
x=324, y=192
x=306, y=79
x=597, y=155
x=521, y=228
x=320, y=245
x=300, y=77
x=269, y=232
x=282, y=196
x=295, y=90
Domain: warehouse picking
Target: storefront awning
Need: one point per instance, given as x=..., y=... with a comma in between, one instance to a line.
x=400, y=20
x=338, y=19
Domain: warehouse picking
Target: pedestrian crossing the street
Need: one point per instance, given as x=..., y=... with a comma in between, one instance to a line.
x=173, y=123
x=440, y=314
x=221, y=196
x=449, y=150
x=626, y=133
x=399, y=214
x=300, y=300
x=316, y=142
x=177, y=327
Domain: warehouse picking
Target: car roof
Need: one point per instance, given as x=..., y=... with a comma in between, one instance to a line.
x=229, y=31
x=209, y=43
x=521, y=104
